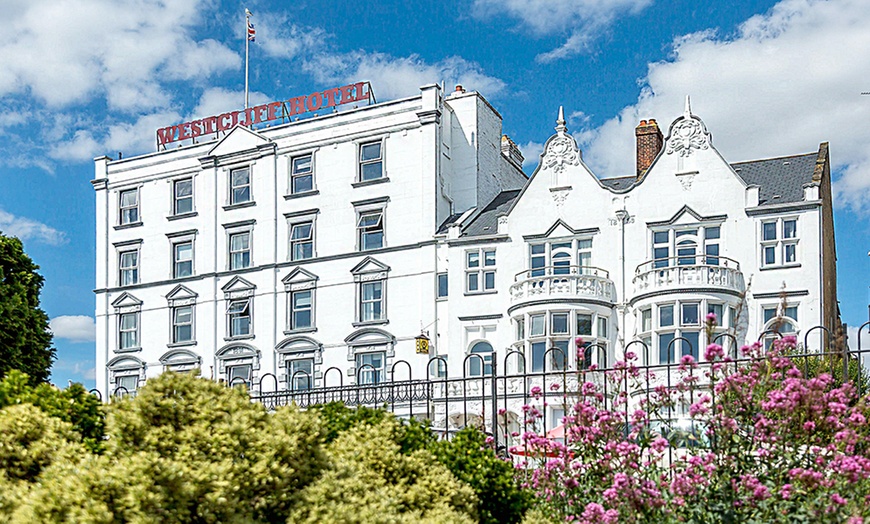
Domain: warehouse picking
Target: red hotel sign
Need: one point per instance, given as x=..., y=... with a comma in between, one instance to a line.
x=264, y=113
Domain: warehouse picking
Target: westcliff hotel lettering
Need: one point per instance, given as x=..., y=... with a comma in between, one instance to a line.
x=360, y=91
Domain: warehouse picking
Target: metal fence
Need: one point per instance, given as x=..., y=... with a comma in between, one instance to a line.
x=497, y=397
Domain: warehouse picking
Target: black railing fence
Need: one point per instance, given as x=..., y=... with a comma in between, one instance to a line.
x=501, y=392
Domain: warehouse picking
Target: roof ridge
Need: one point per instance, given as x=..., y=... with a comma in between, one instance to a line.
x=814, y=153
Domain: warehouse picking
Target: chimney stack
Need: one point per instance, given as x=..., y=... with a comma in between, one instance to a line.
x=649, y=143
x=511, y=152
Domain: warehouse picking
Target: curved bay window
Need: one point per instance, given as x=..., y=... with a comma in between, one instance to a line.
x=674, y=329
x=548, y=340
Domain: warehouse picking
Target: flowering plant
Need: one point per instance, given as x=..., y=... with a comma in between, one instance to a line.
x=747, y=439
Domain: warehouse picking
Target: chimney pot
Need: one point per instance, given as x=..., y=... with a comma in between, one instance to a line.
x=459, y=88
x=649, y=143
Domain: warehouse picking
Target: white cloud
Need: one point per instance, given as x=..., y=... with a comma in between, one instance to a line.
x=531, y=152
x=784, y=82
x=75, y=328
x=70, y=52
x=28, y=229
x=582, y=20
x=395, y=77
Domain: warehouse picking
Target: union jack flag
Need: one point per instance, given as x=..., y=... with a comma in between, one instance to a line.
x=251, y=31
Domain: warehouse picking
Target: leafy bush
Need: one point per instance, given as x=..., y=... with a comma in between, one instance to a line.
x=337, y=418
x=73, y=405
x=471, y=459
x=370, y=480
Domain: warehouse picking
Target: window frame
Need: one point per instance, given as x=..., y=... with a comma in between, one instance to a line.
x=294, y=243
x=294, y=175
x=175, y=260
x=702, y=243
x=232, y=187
x=173, y=312
x=249, y=306
x=249, y=250
x=438, y=288
x=535, y=344
x=134, y=208
x=307, y=378
x=136, y=331
x=379, y=373
x=361, y=302
x=362, y=231
x=230, y=366
x=361, y=163
x=581, y=256
x=481, y=272
x=176, y=198
x=292, y=326
x=785, y=249
x=652, y=334
x=136, y=251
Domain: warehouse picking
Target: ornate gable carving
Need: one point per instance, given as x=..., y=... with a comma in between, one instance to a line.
x=127, y=303
x=181, y=296
x=561, y=150
x=370, y=269
x=687, y=134
x=238, y=287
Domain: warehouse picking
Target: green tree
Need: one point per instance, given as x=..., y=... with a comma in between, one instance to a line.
x=73, y=404
x=25, y=341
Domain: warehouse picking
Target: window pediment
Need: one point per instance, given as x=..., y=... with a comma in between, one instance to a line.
x=299, y=279
x=561, y=229
x=180, y=357
x=370, y=269
x=181, y=296
x=124, y=362
x=127, y=303
x=686, y=215
x=238, y=287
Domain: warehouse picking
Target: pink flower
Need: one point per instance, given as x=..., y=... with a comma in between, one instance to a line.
x=578, y=342
x=837, y=499
x=502, y=411
x=713, y=352
x=536, y=391
x=711, y=318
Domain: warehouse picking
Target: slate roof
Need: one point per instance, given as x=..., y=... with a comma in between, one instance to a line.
x=781, y=179
x=618, y=183
x=485, y=221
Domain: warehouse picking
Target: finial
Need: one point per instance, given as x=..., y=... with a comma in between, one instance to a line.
x=688, y=111
x=560, y=122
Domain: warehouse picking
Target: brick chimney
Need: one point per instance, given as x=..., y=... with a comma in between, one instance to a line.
x=511, y=152
x=649, y=144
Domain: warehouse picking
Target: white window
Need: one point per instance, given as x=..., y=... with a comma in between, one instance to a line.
x=128, y=327
x=240, y=250
x=779, y=242
x=239, y=318
x=239, y=374
x=480, y=271
x=370, y=230
x=129, y=267
x=779, y=319
x=302, y=240
x=301, y=174
x=182, y=259
x=126, y=384
x=441, y=283
x=182, y=324
x=128, y=202
x=182, y=196
x=300, y=374
x=480, y=361
x=240, y=185
x=371, y=306
x=686, y=246
x=301, y=309
x=564, y=257
x=552, y=339
x=371, y=367
x=371, y=164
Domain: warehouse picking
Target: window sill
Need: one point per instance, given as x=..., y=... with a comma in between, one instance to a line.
x=128, y=226
x=128, y=350
x=238, y=338
x=371, y=323
x=182, y=215
x=780, y=266
x=441, y=299
x=302, y=194
x=249, y=203
x=181, y=344
x=475, y=293
x=299, y=331
x=364, y=183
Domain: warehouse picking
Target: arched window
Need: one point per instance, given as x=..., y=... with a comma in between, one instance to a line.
x=239, y=364
x=126, y=375
x=481, y=365
x=298, y=359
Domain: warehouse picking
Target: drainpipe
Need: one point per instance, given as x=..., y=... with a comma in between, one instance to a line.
x=622, y=216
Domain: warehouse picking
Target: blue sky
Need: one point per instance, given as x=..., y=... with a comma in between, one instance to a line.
x=83, y=78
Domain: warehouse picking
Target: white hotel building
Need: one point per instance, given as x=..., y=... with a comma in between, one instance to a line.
x=332, y=242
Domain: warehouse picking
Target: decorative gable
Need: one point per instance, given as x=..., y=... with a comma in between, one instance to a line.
x=687, y=134
x=299, y=279
x=687, y=215
x=238, y=287
x=181, y=296
x=561, y=229
x=369, y=269
x=239, y=140
x=127, y=303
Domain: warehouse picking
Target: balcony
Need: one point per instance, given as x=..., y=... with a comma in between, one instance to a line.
x=701, y=273
x=573, y=283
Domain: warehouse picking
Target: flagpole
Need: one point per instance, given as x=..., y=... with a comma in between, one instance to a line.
x=247, y=44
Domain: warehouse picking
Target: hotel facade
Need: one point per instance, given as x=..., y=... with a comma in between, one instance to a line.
x=320, y=250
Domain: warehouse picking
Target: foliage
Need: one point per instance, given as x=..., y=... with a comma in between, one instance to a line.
x=471, y=459
x=370, y=480
x=73, y=404
x=774, y=446
x=25, y=340
x=337, y=418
